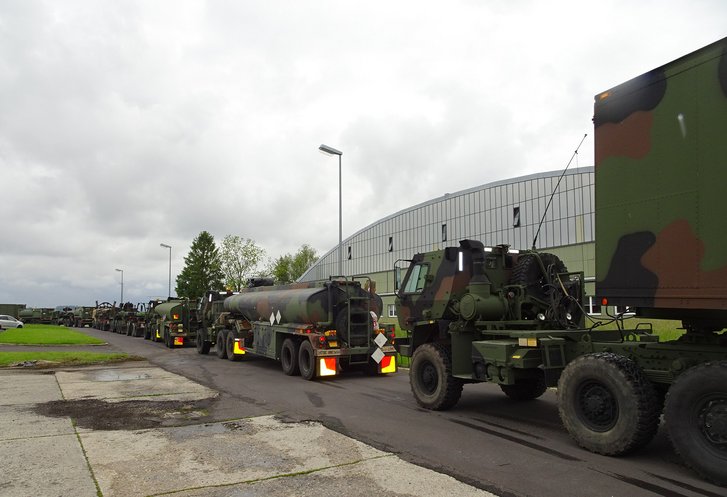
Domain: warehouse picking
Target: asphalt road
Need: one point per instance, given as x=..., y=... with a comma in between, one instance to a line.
x=486, y=440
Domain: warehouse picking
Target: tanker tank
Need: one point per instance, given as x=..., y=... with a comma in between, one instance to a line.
x=318, y=304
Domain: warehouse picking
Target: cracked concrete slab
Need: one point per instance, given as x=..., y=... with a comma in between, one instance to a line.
x=253, y=457
x=48, y=466
x=24, y=388
x=383, y=477
x=114, y=385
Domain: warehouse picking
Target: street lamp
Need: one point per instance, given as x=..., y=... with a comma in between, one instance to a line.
x=170, y=266
x=122, y=286
x=332, y=151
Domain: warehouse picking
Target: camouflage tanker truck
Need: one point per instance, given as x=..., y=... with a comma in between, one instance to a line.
x=313, y=329
x=476, y=314
x=36, y=315
x=174, y=322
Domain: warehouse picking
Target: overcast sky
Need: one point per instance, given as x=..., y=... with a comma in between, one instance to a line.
x=126, y=124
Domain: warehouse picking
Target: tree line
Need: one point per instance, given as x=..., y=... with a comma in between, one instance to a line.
x=230, y=265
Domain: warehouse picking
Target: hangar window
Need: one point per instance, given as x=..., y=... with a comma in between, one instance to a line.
x=444, y=232
x=516, y=217
x=391, y=244
x=349, y=252
x=392, y=310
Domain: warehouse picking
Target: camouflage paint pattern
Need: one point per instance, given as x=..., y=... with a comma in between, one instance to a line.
x=660, y=176
x=486, y=292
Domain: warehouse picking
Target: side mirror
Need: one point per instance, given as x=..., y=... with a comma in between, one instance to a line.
x=397, y=278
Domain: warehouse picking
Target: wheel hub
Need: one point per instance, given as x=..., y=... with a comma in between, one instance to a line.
x=597, y=407
x=712, y=420
x=429, y=378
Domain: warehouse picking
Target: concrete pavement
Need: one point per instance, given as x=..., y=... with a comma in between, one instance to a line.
x=134, y=429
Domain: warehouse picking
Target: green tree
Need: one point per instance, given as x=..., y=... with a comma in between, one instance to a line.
x=288, y=268
x=202, y=268
x=240, y=261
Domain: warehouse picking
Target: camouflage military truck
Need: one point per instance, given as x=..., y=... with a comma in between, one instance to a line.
x=83, y=316
x=63, y=315
x=515, y=318
x=313, y=329
x=103, y=314
x=123, y=318
x=174, y=323
x=136, y=321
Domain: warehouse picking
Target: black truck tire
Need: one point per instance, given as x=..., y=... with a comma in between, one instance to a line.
x=203, y=345
x=607, y=404
x=696, y=419
x=431, y=380
x=230, y=346
x=289, y=357
x=307, y=361
x=220, y=348
x=525, y=388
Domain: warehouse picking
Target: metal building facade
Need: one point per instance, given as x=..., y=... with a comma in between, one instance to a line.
x=503, y=212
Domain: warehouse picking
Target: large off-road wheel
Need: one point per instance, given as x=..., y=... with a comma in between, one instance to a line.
x=230, y=346
x=203, y=345
x=607, y=404
x=220, y=348
x=289, y=357
x=431, y=380
x=525, y=388
x=307, y=361
x=696, y=419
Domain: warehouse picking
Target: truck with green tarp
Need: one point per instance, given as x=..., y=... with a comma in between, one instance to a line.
x=516, y=317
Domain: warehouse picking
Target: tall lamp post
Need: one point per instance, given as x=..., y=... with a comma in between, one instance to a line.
x=122, y=286
x=332, y=151
x=170, y=267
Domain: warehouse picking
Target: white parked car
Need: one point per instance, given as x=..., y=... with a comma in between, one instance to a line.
x=9, y=322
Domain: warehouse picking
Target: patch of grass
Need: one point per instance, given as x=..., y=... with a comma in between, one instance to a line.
x=63, y=358
x=46, y=334
x=665, y=329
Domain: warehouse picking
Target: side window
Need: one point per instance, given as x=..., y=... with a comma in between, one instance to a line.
x=417, y=278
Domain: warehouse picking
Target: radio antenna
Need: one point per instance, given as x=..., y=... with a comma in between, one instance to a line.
x=542, y=219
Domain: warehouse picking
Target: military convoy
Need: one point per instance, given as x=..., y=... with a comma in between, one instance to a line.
x=516, y=318
x=312, y=329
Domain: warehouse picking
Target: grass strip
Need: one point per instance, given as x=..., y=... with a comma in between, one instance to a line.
x=44, y=334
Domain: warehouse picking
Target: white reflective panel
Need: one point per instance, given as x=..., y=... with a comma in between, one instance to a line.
x=461, y=261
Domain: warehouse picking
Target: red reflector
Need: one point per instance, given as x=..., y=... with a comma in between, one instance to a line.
x=604, y=301
x=386, y=361
x=322, y=339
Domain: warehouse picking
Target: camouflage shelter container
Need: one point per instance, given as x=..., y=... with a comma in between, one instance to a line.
x=660, y=151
